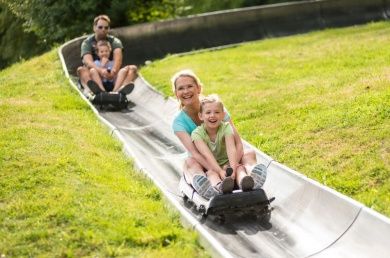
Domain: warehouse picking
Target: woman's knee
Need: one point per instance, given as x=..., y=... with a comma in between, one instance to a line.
x=249, y=155
x=212, y=173
x=192, y=164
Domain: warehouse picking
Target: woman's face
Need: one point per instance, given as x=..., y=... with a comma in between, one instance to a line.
x=187, y=90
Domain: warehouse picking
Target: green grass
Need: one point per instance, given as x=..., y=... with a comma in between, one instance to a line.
x=318, y=102
x=66, y=188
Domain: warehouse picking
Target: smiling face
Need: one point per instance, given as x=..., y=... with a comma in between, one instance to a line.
x=212, y=114
x=103, y=52
x=186, y=90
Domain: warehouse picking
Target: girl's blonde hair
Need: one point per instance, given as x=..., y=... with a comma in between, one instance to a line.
x=102, y=43
x=212, y=98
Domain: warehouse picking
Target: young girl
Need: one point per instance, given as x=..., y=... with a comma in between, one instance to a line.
x=99, y=81
x=103, y=50
x=215, y=138
x=187, y=88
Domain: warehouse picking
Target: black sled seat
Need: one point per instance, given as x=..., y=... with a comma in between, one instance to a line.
x=116, y=100
x=253, y=202
x=102, y=99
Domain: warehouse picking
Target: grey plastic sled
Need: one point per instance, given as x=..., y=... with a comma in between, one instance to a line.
x=253, y=202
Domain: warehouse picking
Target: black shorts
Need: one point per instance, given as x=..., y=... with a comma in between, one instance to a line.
x=108, y=85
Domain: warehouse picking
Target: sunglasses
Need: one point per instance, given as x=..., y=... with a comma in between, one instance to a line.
x=103, y=27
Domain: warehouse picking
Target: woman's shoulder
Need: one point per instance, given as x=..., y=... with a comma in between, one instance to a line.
x=179, y=115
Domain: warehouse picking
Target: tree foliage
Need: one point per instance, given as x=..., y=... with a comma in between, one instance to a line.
x=15, y=43
x=58, y=20
x=42, y=23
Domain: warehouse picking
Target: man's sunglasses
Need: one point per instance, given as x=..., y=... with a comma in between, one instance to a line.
x=101, y=27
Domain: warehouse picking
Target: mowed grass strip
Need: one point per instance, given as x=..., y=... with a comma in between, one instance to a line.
x=318, y=102
x=66, y=188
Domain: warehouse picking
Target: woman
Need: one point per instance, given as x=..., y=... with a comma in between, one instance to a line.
x=187, y=88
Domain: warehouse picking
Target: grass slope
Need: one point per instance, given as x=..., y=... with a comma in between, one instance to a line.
x=318, y=102
x=66, y=188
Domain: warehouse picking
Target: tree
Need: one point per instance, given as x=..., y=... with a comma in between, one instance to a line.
x=15, y=44
x=58, y=20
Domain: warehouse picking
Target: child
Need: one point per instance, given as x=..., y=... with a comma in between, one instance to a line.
x=214, y=138
x=110, y=83
x=103, y=50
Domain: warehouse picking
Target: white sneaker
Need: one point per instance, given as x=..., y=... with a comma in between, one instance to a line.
x=259, y=174
x=203, y=186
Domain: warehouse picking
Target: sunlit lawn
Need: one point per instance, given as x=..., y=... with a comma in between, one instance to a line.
x=66, y=187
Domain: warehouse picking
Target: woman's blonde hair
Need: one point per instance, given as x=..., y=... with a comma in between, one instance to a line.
x=185, y=73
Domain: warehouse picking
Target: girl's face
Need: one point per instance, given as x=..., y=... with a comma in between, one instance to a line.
x=103, y=51
x=186, y=90
x=212, y=114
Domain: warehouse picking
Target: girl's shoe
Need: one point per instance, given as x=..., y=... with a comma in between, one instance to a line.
x=127, y=89
x=225, y=186
x=246, y=183
x=259, y=175
x=92, y=85
x=203, y=187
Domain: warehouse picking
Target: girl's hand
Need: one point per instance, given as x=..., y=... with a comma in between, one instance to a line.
x=222, y=174
x=109, y=74
x=104, y=61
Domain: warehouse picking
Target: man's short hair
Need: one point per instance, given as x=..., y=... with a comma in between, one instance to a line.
x=101, y=17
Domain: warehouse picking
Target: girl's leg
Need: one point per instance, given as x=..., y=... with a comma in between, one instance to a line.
x=120, y=78
x=225, y=185
x=96, y=78
x=243, y=180
x=126, y=75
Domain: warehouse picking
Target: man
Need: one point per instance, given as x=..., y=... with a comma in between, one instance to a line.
x=91, y=75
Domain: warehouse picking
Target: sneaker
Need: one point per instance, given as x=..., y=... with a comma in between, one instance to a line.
x=259, y=174
x=225, y=186
x=92, y=85
x=246, y=183
x=127, y=89
x=203, y=187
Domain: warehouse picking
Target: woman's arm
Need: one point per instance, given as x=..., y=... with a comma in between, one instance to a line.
x=191, y=148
